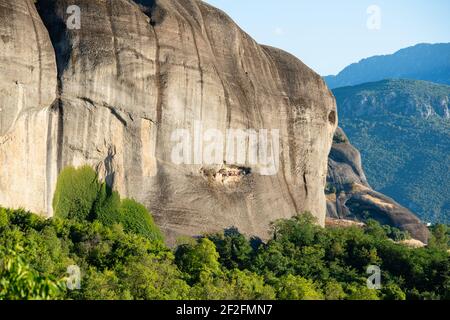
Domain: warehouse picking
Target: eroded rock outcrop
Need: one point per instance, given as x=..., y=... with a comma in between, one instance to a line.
x=135, y=72
x=349, y=196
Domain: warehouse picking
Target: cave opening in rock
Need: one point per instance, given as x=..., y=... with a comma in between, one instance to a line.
x=332, y=117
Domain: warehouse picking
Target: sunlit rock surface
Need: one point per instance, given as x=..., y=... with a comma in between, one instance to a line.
x=113, y=93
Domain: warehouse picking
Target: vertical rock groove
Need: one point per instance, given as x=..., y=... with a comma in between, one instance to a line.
x=109, y=8
x=39, y=48
x=197, y=51
x=225, y=90
x=60, y=137
x=305, y=184
x=278, y=82
x=54, y=26
x=49, y=159
x=200, y=69
x=157, y=72
x=288, y=189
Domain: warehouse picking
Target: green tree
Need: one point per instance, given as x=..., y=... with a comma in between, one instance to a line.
x=249, y=286
x=333, y=290
x=151, y=278
x=361, y=292
x=233, y=248
x=292, y=287
x=18, y=281
x=232, y=285
x=300, y=230
x=375, y=229
x=393, y=292
x=198, y=260
x=101, y=285
x=440, y=237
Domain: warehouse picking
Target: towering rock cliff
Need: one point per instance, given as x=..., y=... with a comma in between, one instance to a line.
x=114, y=93
x=349, y=195
x=28, y=125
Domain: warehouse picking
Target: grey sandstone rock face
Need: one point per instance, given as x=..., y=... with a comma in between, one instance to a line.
x=27, y=124
x=353, y=198
x=133, y=74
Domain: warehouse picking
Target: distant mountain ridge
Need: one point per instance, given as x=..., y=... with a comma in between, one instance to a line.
x=428, y=62
x=402, y=129
x=402, y=97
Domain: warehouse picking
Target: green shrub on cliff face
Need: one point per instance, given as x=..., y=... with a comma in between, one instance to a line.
x=136, y=219
x=76, y=192
x=80, y=196
x=106, y=207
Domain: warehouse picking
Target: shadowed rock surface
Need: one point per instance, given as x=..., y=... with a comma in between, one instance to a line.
x=349, y=196
x=111, y=94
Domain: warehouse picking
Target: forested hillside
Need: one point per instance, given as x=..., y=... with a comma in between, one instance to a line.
x=402, y=129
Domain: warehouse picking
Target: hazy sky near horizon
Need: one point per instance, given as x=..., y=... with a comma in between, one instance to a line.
x=328, y=35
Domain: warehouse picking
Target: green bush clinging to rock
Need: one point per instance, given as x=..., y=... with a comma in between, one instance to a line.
x=80, y=196
x=76, y=193
x=136, y=219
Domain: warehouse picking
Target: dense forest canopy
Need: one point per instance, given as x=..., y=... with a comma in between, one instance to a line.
x=126, y=258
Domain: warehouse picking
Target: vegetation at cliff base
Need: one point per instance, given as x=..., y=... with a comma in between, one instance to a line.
x=302, y=261
x=123, y=256
x=80, y=196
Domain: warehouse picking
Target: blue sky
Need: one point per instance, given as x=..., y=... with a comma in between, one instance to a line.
x=328, y=34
